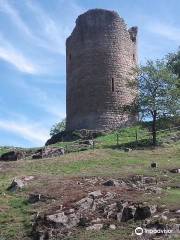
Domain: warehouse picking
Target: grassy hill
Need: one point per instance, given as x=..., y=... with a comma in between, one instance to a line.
x=57, y=176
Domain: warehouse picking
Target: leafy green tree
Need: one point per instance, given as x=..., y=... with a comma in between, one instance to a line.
x=58, y=127
x=173, y=63
x=158, y=93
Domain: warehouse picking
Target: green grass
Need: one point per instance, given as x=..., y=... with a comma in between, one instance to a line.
x=118, y=234
x=14, y=218
x=3, y=150
x=105, y=160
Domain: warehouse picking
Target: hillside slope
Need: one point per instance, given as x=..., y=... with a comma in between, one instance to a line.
x=69, y=178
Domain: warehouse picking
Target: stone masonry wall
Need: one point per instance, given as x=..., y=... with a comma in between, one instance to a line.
x=100, y=54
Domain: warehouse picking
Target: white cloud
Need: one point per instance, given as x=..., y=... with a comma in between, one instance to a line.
x=52, y=33
x=47, y=32
x=165, y=30
x=9, y=54
x=28, y=131
x=14, y=15
x=18, y=60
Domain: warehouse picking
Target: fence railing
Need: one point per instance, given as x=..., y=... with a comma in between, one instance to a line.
x=140, y=135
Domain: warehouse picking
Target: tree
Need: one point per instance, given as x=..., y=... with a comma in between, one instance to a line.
x=58, y=127
x=173, y=63
x=158, y=94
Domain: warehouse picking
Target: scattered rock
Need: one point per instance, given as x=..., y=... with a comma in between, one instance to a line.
x=95, y=194
x=95, y=227
x=87, y=142
x=154, y=189
x=101, y=209
x=17, y=184
x=12, y=156
x=128, y=213
x=84, y=204
x=37, y=156
x=156, y=226
x=27, y=178
x=35, y=197
x=112, y=227
x=127, y=149
x=111, y=183
x=154, y=165
x=142, y=213
x=175, y=170
x=172, y=219
x=84, y=222
x=164, y=218
x=57, y=219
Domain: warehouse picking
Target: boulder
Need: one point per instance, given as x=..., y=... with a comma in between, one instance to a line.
x=52, y=152
x=12, y=156
x=111, y=183
x=48, y=152
x=58, y=219
x=112, y=227
x=17, y=184
x=127, y=213
x=142, y=213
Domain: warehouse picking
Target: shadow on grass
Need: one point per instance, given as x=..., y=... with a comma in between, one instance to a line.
x=140, y=144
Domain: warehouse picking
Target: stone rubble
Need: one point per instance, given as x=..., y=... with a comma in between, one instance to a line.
x=93, y=212
x=48, y=152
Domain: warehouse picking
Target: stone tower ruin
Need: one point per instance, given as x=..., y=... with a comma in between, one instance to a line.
x=100, y=55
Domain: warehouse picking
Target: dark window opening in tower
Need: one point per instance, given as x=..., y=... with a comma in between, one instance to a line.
x=134, y=57
x=112, y=84
x=70, y=56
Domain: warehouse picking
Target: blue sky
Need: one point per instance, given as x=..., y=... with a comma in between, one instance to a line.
x=32, y=56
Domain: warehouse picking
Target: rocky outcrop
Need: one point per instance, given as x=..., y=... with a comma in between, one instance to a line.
x=13, y=155
x=48, y=152
x=67, y=136
x=96, y=211
x=17, y=184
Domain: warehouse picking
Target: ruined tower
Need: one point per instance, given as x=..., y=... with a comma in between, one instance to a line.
x=100, y=55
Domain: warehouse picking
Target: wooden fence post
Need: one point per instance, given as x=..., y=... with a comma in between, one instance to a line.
x=117, y=139
x=93, y=144
x=136, y=135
